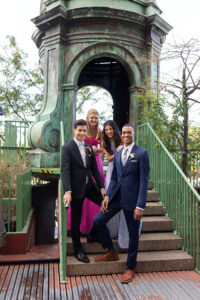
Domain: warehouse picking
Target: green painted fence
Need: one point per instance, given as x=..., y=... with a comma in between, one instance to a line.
x=24, y=188
x=180, y=199
x=62, y=221
x=13, y=140
x=16, y=209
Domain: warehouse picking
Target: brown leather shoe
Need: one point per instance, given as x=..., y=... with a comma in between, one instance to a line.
x=107, y=257
x=127, y=276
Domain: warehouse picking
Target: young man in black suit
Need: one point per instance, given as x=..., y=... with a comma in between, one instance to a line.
x=78, y=165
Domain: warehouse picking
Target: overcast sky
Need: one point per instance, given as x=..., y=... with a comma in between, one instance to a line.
x=16, y=15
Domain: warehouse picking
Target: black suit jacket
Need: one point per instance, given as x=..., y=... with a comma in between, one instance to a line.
x=74, y=172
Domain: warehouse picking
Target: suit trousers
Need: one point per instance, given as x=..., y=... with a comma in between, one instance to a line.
x=102, y=219
x=95, y=196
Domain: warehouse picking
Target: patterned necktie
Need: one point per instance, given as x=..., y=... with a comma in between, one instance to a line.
x=124, y=157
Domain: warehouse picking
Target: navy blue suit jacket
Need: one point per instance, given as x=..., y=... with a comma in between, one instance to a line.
x=132, y=179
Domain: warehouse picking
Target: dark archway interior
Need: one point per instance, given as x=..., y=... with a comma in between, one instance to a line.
x=112, y=76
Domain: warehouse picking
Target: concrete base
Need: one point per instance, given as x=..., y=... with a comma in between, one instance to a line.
x=39, y=158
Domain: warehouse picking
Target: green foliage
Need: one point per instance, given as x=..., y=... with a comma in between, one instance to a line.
x=21, y=88
x=94, y=97
x=152, y=110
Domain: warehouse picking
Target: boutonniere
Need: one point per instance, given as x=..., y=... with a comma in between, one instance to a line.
x=131, y=156
x=88, y=150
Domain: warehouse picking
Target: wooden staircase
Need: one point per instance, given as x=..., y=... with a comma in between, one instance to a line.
x=159, y=248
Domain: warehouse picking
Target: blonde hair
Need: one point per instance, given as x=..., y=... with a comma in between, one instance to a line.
x=89, y=113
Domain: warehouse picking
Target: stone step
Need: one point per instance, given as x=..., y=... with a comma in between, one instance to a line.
x=150, y=185
x=148, y=242
x=154, y=209
x=156, y=224
x=152, y=196
x=156, y=261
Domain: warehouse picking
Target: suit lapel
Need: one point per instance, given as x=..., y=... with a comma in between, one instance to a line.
x=128, y=160
x=76, y=149
x=119, y=161
x=86, y=154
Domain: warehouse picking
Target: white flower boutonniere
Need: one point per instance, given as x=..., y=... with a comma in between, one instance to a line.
x=131, y=156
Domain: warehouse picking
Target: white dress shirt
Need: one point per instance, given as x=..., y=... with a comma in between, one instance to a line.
x=129, y=148
x=81, y=147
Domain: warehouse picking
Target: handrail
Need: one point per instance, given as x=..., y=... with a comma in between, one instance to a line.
x=62, y=221
x=180, y=199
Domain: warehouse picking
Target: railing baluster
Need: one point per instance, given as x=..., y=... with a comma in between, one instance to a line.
x=176, y=193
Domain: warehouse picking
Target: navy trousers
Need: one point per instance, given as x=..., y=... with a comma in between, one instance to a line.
x=102, y=219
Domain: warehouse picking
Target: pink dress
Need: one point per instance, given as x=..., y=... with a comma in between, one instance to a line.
x=90, y=209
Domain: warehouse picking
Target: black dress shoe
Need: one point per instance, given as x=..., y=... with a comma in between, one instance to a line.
x=80, y=255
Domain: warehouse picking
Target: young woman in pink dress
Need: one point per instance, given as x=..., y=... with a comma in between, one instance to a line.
x=94, y=137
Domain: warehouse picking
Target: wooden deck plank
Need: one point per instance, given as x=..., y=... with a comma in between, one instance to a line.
x=51, y=282
x=12, y=283
x=40, y=282
x=103, y=288
x=17, y=282
x=74, y=288
x=153, y=282
x=69, y=289
x=185, y=285
x=91, y=288
x=27, y=291
x=5, y=286
x=97, y=288
x=23, y=282
x=127, y=289
x=3, y=276
x=121, y=287
x=81, y=290
x=45, y=282
x=152, y=292
x=165, y=287
x=116, y=291
x=33, y=293
x=86, y=288
x=56, y=282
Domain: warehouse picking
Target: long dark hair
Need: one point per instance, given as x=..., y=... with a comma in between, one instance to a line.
x=106, y=140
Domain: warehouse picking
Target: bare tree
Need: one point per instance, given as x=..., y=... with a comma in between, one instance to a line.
x=182, y=89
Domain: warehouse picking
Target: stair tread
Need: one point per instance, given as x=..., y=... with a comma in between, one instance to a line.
x=155, y=204
x=142, y=257
x=144, y=237
x=156, y=219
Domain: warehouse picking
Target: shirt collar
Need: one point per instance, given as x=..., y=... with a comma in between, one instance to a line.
x=79, y=143
x=129, y=147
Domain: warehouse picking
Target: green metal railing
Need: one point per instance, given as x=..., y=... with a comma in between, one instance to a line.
x=180, y=199
x=24, y=206
x=193, y=164
x=62, y=221
x=13, y=140
x=16, y=208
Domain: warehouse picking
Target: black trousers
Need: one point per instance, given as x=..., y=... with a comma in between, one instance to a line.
x=95, y=196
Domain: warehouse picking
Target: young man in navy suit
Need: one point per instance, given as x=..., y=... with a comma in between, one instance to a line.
x=128, y=191
x=78, y=165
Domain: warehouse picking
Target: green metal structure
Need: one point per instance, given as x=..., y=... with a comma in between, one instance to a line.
x=113, y=44
x=180, y=199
